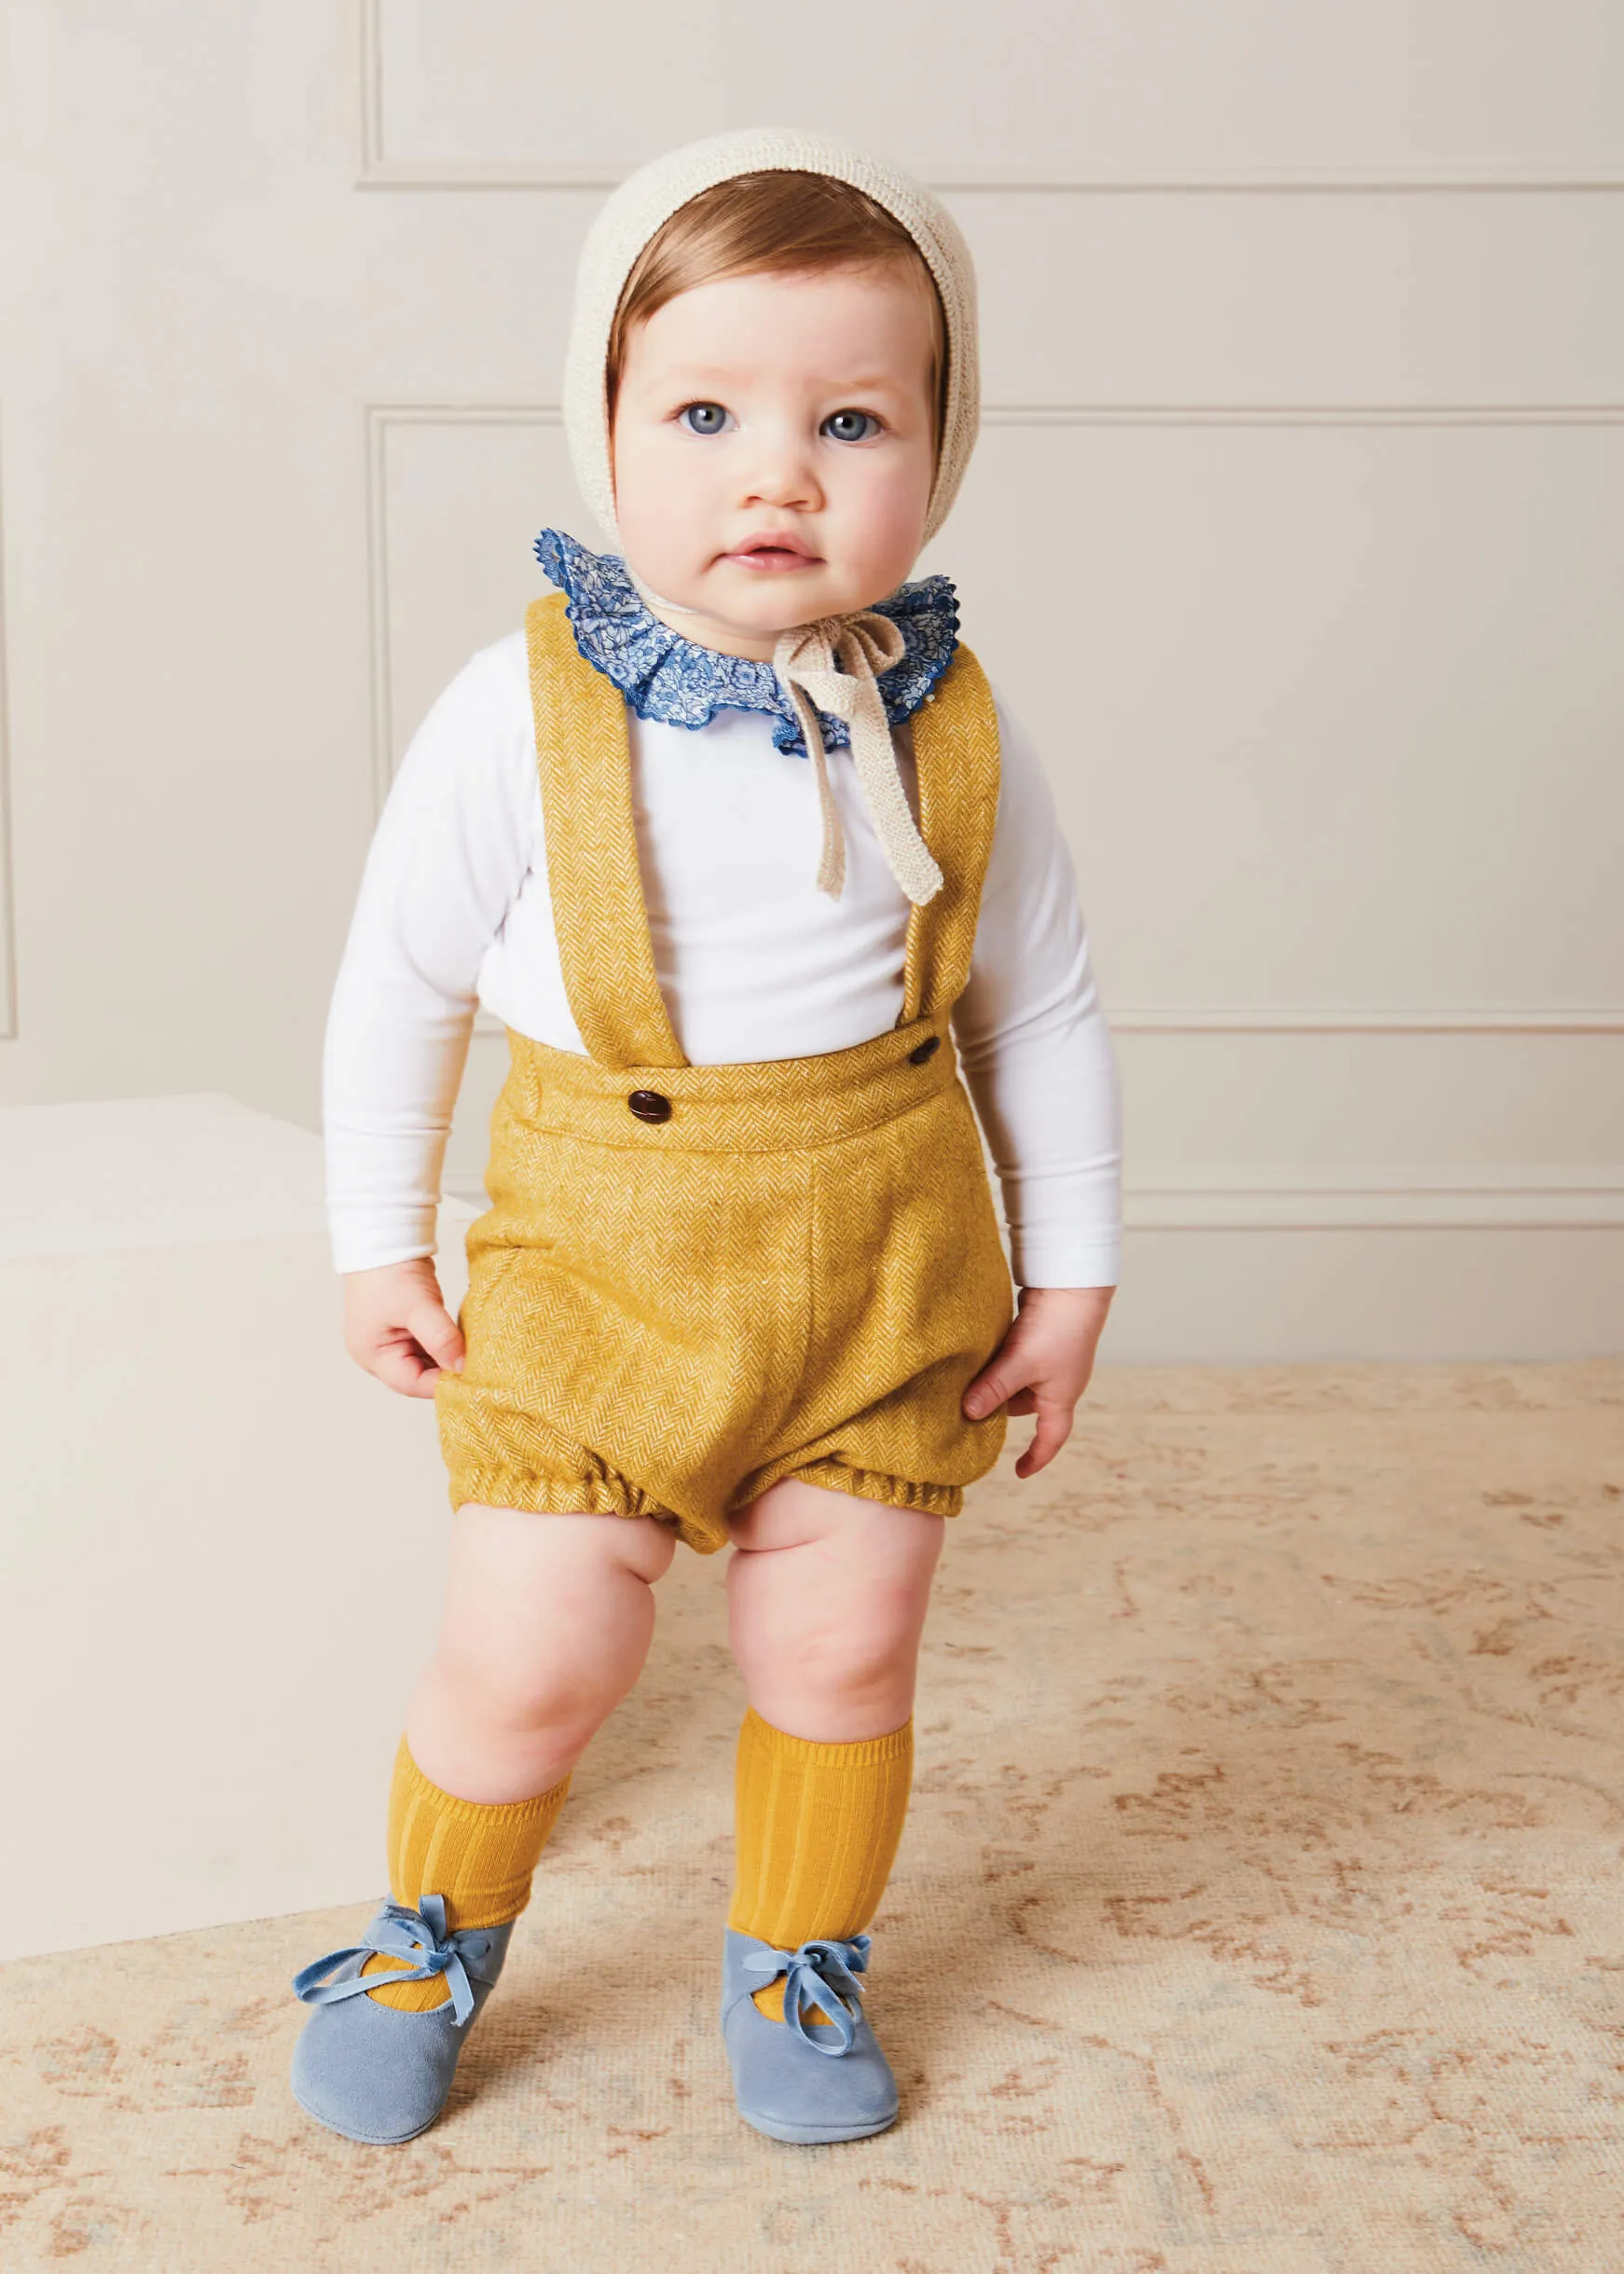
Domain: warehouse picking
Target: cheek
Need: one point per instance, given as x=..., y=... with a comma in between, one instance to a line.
x=636, y=488
x=655, y=479
x=895, y=498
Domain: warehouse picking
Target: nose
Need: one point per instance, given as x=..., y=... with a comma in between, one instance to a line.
x=781, y=470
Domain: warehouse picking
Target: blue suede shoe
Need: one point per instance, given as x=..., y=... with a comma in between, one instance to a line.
x=794, y=2079
x=372, y=2072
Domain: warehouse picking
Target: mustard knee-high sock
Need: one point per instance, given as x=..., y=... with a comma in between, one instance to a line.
x=817, y=1831
x=478, y=1856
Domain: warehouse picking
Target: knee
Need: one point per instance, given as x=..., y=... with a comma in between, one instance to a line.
x=853, y=1663
x=560, y=1643
x=565, y=1697
x=851, y=1655
x=826, y=1600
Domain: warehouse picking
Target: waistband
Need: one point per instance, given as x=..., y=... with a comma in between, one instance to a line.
x=774, y=1105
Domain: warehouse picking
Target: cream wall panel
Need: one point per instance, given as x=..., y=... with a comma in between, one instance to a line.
x=1342, y=1292
x=1313, y=1108
x=8, y=924
x=180, y=289
x=1169, y=302
x=1165, y=90
x=1333, y=708
x=474, y=488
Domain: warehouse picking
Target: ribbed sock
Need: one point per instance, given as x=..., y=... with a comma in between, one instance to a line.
x=478, y=1856
x=817, y=1831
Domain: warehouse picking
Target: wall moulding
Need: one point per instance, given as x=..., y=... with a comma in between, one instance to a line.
x=381, y=418
x=1604, y=1019
x=378, y=173
x=377, y=168
x=1487, y=1020
x=1538, y=1200
x=7, y=892
x=1303, y=414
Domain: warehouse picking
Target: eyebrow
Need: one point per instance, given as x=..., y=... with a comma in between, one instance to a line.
x=687, y=375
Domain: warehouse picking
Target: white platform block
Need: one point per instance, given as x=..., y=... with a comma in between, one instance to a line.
x=221, y=1543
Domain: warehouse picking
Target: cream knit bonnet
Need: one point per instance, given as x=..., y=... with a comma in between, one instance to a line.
x=830, y=663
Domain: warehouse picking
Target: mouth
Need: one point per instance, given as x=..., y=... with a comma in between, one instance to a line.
x=764, y=553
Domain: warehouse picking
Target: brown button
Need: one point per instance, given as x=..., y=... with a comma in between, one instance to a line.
x=927, y=1048
x=649, y=1106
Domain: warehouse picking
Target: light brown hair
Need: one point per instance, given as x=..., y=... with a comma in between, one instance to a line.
x=778, y=221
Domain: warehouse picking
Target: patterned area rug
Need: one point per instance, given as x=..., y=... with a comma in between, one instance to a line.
x=1259, y=1913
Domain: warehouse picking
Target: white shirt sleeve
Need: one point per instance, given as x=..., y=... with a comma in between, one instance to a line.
x=448, y=856
x=1033, y=1043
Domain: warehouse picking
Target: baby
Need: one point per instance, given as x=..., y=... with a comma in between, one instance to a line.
x=759, y=871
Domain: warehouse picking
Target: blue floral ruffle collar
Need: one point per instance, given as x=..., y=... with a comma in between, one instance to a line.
x=665, y=676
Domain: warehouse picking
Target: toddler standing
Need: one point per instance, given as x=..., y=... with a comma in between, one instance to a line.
x=758, y=870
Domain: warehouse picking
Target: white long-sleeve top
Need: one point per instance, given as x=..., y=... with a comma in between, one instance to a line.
x=754, y=962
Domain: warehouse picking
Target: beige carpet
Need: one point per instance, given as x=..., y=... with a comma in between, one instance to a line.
x=1259, y=1912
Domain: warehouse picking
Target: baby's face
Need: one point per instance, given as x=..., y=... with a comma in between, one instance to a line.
x=757, y=406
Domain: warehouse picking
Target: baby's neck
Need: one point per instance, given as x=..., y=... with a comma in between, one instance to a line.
x=705, y=631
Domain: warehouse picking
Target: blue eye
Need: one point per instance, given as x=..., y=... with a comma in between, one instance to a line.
x=712, y=418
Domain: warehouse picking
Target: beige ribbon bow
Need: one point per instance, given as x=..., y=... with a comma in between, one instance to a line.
x=831, y=663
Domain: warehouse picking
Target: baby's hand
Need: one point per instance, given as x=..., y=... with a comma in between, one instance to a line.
x=397, y=1325
x=1043, y=1366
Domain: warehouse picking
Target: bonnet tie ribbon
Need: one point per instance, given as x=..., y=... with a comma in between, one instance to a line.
x=831, y=664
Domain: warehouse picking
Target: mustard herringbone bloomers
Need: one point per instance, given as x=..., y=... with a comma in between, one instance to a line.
x=695, y=1280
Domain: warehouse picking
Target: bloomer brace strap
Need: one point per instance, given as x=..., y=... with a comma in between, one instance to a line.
x=599, y=912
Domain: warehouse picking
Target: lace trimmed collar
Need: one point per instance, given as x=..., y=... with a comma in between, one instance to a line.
x=665, y=676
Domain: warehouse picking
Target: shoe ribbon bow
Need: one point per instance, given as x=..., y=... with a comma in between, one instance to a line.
x=826, y=1966
x=833, y=661
x=398, y=1931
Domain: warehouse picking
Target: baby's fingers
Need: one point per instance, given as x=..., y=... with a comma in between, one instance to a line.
x=409, y=1358
x=1053, y=1429
x=996, y=1385
x=400, y=1365
x=437, y=1333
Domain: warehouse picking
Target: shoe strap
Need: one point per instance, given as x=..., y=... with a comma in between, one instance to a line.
x=418, y=1935
x=824, y=1965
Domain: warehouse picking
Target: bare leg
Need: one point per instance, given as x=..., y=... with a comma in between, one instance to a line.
x=826, y=1602
x=547, y=1622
